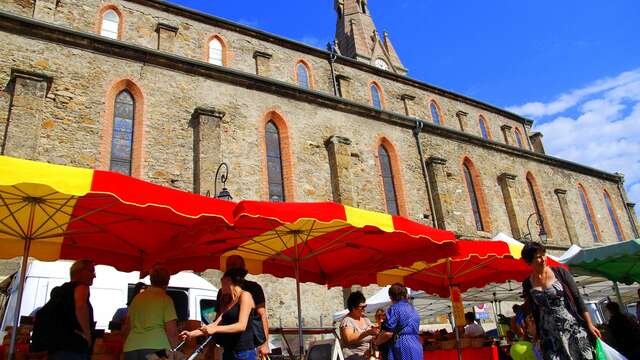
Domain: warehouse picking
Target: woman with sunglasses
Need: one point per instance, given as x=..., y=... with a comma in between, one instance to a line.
x=356, y=331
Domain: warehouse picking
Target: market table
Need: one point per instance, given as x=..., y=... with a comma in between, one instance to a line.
x=482, y=353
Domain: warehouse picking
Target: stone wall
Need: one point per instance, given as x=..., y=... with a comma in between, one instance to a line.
x=140, y=20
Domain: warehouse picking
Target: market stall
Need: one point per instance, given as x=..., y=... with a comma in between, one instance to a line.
x=55, y=212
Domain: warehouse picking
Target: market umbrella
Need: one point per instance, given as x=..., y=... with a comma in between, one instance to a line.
x=52, y=212
x=327, y=243
x=618, y=262
x=479, y=263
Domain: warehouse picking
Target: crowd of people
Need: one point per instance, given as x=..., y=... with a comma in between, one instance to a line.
x=553, y=320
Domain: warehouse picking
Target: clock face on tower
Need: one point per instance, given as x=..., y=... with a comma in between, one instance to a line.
x=381, y=64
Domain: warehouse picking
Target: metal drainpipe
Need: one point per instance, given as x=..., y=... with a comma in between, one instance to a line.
x=425, y=174
x=332, y=58
x=634, y=226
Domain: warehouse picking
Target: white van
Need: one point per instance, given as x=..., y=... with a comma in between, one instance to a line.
x=193, y=296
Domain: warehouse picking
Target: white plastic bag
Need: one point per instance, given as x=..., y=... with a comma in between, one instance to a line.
x=606, y=352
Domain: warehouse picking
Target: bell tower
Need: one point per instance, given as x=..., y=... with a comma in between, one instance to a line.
x=357, y=37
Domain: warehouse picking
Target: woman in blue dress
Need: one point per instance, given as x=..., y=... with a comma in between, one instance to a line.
x=402, y=324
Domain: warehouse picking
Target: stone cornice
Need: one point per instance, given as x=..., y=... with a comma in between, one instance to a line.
x=298, y=46
x=12, y=23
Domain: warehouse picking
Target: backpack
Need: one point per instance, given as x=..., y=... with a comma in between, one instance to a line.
x=51, y=324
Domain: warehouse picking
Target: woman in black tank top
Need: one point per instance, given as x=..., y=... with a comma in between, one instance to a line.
x=232, y=330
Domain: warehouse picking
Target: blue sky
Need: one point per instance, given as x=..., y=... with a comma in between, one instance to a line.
x=571, y=66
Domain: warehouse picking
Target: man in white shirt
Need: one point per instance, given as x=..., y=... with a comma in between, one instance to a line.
x=472, y=329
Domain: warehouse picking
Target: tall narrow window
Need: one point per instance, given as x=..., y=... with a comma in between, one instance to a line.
x=376, y=99
x=473, y=197
x=483, y=128
x=215, y=52
x=274, y=163
x=110, y=24
x=435, y=114
x=613, y=216
x=122, y=136
x=586, y=206
x=388, y=182
x=519, y=138
x=536, y=205
x=302, y=73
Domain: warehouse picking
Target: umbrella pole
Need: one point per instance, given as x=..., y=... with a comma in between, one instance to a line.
x=456, y=330
x=620, y=301
x=16, y=315
x=297, y=275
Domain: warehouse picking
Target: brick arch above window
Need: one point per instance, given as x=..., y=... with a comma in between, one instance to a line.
x=380, y=105
x=537, y=201
x=591, y=219
x=309, y=70
x=224, y=50
x=486, y=133
x=396, y=171
x=434, y=105
x=100, y=17
x=276, y=117
x=475, y=192
x=613, y=216
x=137, y=154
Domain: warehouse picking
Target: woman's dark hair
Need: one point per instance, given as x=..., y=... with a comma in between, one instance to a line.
x=236, y=276
x=470, y=316
x=530, y=249
x=355, y=298
x=397, y=292
x=137, y=288
x=613, y=307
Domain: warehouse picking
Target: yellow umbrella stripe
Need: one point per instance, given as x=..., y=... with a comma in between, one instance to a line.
x=360, y=218
x=271, y=243
x=64, y=179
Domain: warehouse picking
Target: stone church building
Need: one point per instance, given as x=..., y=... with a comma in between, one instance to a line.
x=166, y=94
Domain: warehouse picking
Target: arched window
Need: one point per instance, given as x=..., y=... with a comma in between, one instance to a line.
x=110, y=24
x=376, y=97
x=215, y=52
x=519, y=138
x=475, y=206
x=274, y=163
x=302, y=75
x=476, y=196
x=613, y=216
x=435, y=113
x=538, y=206
x=387, y=181
x=484, y=130
x=381, y=64
x=588, y=212
x=122, y=136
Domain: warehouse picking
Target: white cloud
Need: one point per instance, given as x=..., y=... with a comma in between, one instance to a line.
x=603, y=131
x=570, y=99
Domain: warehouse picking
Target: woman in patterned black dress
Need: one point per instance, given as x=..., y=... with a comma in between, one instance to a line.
x=562, y=320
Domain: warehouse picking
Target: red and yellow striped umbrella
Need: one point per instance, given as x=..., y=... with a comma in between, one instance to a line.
x=479, y=263
x=55, y=212
x=331, y=243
